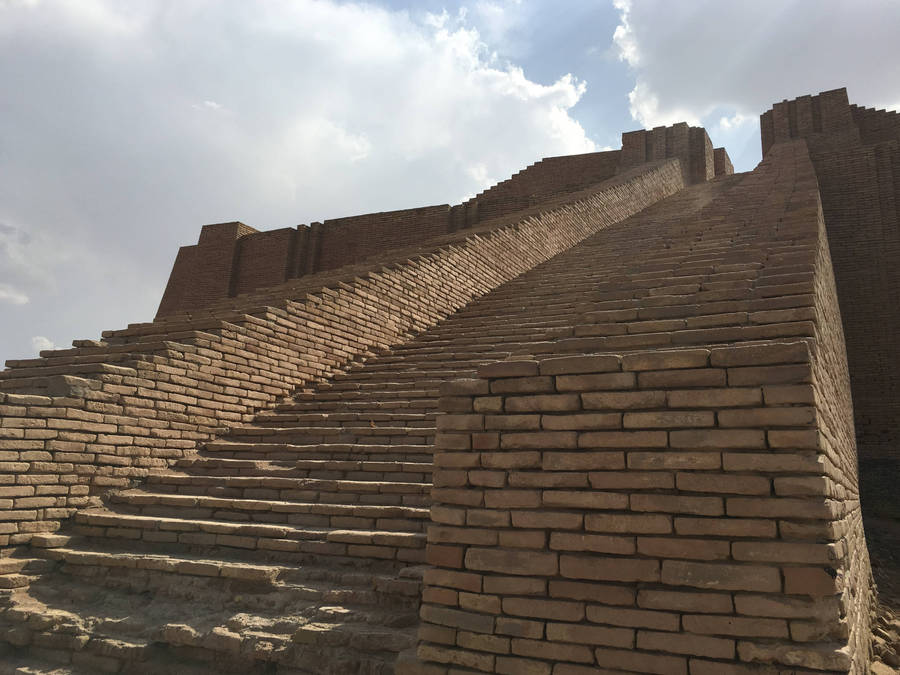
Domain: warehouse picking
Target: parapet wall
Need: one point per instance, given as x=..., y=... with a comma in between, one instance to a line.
x=103, y=414
x=856, y=155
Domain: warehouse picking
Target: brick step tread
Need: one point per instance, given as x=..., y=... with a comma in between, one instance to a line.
x=317, y=450
x=300, y=430
x=393, y=380
x=365, y=406
x=376, y=394
x=240, y=534
x=344, y=419
x=308, y=484
x=107, y=353
x=301, y=467
x=138, y=497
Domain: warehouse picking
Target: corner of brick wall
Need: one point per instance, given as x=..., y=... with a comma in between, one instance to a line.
x=661, y=512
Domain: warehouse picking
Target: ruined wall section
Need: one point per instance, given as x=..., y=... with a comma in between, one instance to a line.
x=102, y=414
x=856, y=154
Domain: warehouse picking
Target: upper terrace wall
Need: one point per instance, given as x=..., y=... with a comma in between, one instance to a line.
x=233, y=258
x=856, y=154
x=80, y=420
x=691, y=145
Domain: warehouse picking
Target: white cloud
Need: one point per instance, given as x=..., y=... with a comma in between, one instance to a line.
x=12, y=295
x=39, y=343
x=704, y=60
x=165, y=116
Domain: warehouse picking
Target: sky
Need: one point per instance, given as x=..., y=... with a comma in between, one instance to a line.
x=127, y=125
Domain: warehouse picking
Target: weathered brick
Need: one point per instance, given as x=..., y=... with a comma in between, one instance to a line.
x=623, y=400
x=590, y=635
x=721, y=576
x=608, y=569
x=512, y=562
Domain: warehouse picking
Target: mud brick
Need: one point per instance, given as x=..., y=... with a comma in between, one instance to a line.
x=582, y=421
x=673, y=379
x=631, y=480
x=787, y=462
x=551, y=479
x=533, y=539
x=582, y=461
x=696, y=645
x=783, y=394
x=464, y=387
x=506, y=499
x=735, y=626
x=666, y=360
x=669, y=419
x=485, y=441
x=590, y=635
x=579, y=590
x=623, y=400
x=465, y=581
x=523, y=628
x=455, y=618
x=457, y=657
x=442, y=534
x=721, y=576
x=512, y=422
x=554, y=520
x=704, y=506
x=476, y=602
x=594, y=568
x=541, y=440
x=595, y=382
x=795, y=439
x=486, y=404
x=565, y=541
x=695, y=549
x=723, y=483
x=559, y=610
x=667, y=459
x=525, y=563
x=511, y=665
x=585, y=499
x=777, y=507
x=542, y=384
x=623, y=439
x=757, y=355
x=543, y=403
x=511, y=460
x=786, y=552
x=800, y=486
x=428, y=632
x=487, y=518
x=813, y=581
x=628, y=523
x=685, y=601
x=763, y=375
x=715, y=439
x=714, y=398
x=449, y=422
x=515, y=585
x=508, y=369
x=726, y=527
x=637, y=661
x=567, y=365
x=796, y=416
x=550, y=650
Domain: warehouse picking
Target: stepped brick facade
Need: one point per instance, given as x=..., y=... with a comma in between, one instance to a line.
x=600, y=418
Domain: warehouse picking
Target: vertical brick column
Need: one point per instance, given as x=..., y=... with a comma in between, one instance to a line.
x=658, y=512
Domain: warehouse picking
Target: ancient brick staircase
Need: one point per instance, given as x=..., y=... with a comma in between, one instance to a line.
x=338, y=476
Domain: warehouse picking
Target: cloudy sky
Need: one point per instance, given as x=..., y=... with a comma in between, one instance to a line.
x=125, y=126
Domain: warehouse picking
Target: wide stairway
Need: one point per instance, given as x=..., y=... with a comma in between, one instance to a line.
x=296, y=544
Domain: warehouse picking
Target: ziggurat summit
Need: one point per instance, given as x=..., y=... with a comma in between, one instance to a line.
x=620, y=413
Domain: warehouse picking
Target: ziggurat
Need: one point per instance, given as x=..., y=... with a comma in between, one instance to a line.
x=609, y=416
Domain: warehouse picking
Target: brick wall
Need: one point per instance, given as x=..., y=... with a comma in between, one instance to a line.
x=233, y=258
x=659, y=512
x=857, y=161
x=690, y=144
x=723, y=165
x=103, y=413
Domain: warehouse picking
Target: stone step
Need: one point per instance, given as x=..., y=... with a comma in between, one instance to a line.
x=294, y=489
x=223, y=535
x=411, y=452
x=340, y=516
x=326, y=469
